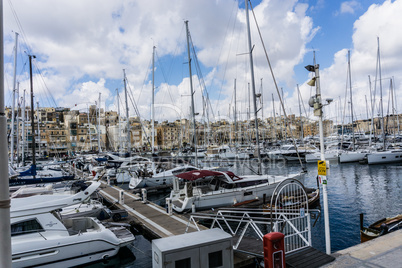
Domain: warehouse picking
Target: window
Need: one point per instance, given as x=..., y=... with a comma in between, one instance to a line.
x=26, y=227
x=184, y=263
x=215, y=259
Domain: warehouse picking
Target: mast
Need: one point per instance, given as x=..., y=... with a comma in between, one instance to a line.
x=32, y=117
x=99, y=144
x=253, y=88
x=249, y=104
x=23, y=130
x=381, y=104
x=393, y=107
x=191, y=93
x=235, y=114
x=365, y=97
x=127, y=114
x=396, y=107
x=262, y=102
x=89, y=131
x=13, y=101
x=118, y=112
x=351, y=100
x=280, y=118
x=372, y=114
x=262, y=113
x=153, y=102
x=18, y=122
x=274, y=124
x=37, y=114
x=300, y=112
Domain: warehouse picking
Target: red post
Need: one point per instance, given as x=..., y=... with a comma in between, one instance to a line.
x=274, y=250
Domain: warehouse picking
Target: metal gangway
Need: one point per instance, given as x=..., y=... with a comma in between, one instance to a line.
x=288, y=213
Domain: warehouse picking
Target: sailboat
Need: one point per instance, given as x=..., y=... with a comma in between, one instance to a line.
x=31, y=175
x=354, y=155
x=205, y=189
x=384, y=156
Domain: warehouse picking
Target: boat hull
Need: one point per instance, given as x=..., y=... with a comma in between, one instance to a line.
x=225, y=197
x=69, y=253
x=384, y=157
x=368, y=234
x=29, y=180
x=349, y=157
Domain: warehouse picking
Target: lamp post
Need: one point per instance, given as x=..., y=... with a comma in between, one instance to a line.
x=316, y=103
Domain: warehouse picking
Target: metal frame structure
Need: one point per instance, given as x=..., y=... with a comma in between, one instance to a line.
x=287, y=212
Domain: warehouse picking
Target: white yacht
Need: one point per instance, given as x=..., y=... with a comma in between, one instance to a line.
x=141, y=180
x=40, y=237
x=330, y=155
x=289, y=152
x=210, y=189
x=383, y=157
x=226, y=152
x=126, y=170
x=352, y=156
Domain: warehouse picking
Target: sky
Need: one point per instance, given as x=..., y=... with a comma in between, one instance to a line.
x=82, y=48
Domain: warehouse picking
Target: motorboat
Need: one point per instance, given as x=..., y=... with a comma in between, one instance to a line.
x=143, y=178
x=383, y=157
x=65, y=187
x=90, y=208
x=40, y=237
x=205, y=189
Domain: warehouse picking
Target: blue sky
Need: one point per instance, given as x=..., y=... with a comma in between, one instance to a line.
x=82, y=48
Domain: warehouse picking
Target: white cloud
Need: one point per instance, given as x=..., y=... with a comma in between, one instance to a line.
x=381, y=21
x=349, y=7
x=82, y=46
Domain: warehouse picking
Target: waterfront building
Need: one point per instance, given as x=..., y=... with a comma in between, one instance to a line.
x=64, y=131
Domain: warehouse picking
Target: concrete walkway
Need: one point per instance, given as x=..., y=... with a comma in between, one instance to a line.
x=384, y=251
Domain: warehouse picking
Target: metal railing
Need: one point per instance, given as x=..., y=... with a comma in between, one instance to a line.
x=288, y=213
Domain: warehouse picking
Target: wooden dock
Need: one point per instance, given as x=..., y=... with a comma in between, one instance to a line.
x=152, y=217
x=157, y=222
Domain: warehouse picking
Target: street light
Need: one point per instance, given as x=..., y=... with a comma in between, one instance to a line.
x=315, y=102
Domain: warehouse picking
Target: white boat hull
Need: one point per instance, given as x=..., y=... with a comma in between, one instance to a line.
x=160, y=179
x=40, y=237
x=225, y=197
x=347, y=157
x=71, y=252
x=384, y=157
x=329, y=156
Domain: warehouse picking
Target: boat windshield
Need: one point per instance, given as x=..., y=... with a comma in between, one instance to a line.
x=26, y=227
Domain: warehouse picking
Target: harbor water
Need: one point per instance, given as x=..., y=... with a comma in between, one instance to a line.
x=353, y=188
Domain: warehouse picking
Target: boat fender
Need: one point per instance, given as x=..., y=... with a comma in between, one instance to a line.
x=105, y=258
x=383, y=229
x=116, y=217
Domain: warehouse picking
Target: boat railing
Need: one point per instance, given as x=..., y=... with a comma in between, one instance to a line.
x=243, y=224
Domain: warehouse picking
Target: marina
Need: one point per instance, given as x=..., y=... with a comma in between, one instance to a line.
x=353, y=189
x=177, y=179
